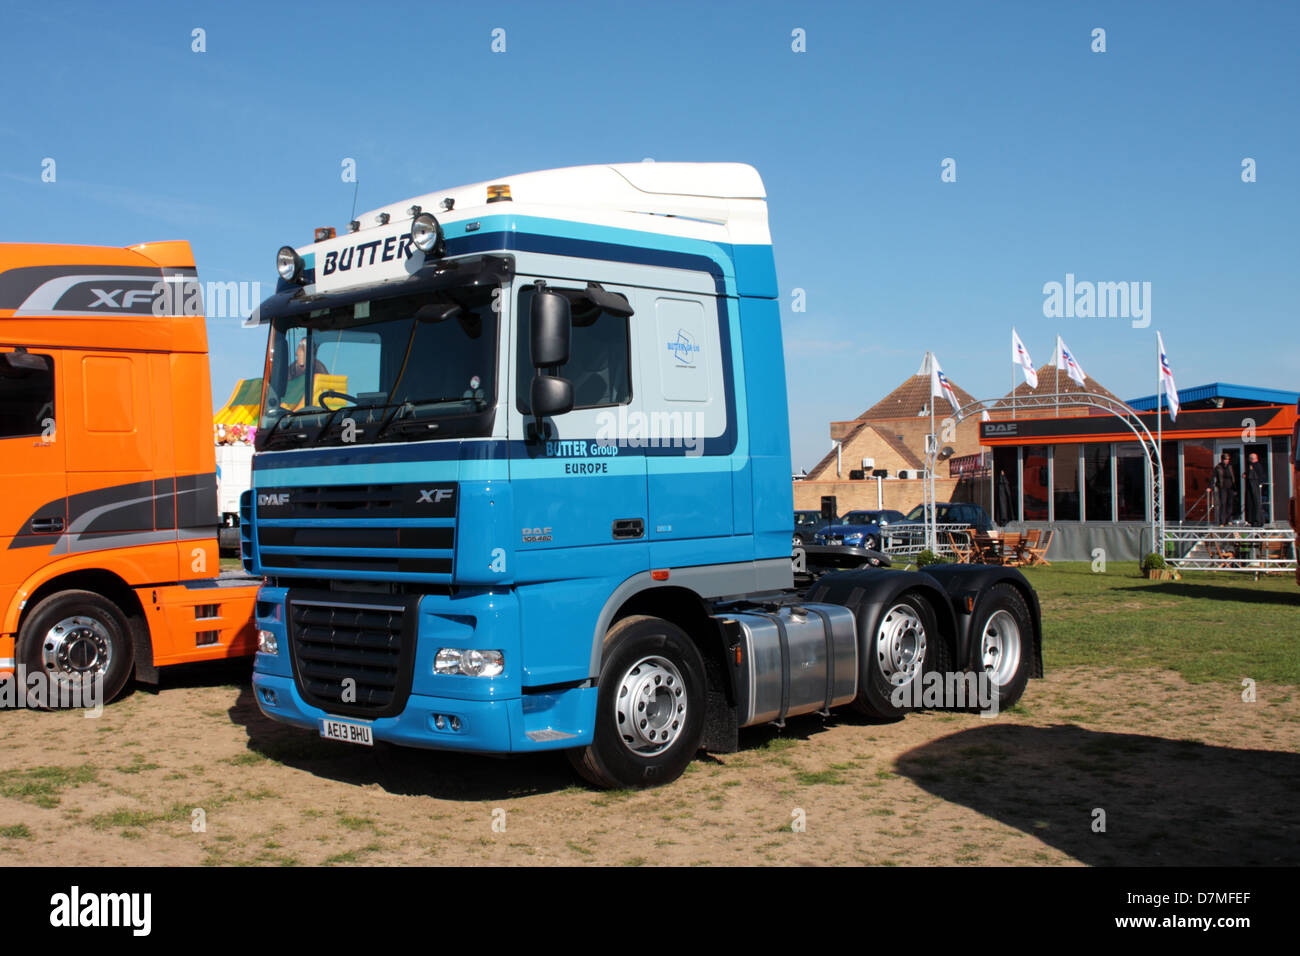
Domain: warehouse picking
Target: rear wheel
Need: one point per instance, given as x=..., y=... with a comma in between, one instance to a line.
x=81, y=642
x=871, y=543
x=1004, y=648
x=895, y=653
x=649, y=708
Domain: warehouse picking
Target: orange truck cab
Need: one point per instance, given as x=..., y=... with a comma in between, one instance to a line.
x=108, y=521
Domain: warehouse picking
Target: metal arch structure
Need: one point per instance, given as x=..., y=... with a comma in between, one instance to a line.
x=1119, y=409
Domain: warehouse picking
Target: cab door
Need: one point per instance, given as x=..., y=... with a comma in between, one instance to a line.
x=109, y=448
x=32, y=464
x=580, y=487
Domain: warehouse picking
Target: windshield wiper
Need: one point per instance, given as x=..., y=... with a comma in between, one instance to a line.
x=398, y=422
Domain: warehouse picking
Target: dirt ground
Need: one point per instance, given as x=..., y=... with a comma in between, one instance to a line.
x=1178, y=773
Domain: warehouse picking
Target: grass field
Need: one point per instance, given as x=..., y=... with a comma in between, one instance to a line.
x=1206, y=627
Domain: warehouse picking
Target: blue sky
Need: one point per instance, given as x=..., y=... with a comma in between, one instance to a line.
x=1115, y=166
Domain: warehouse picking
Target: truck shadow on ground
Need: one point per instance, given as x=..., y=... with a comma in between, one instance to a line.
x=447, y=775
x=1218, y=592
x=406, y=771
x=1166, y=802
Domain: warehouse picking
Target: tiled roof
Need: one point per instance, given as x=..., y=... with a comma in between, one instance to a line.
x=912, y=400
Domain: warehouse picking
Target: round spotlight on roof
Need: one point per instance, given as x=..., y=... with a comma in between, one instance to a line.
x=289, y=264
x=426, y=234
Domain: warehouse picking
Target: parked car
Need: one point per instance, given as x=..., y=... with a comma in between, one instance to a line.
x=909, y=534
x=806, y=524
x=954, y=512
x=859, y=529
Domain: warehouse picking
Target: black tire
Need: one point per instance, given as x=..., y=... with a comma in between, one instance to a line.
x=871, y=543
x=227, y=541
x=1002, y=619
x=620, y=755
x=95, y=645
x=798, y=540
x=906, y=619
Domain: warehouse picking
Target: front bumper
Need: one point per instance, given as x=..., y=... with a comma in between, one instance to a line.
x=556, y=720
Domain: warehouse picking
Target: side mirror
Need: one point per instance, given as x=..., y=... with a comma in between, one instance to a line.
x=550, y=328
x=20, y=363
x=551, y=395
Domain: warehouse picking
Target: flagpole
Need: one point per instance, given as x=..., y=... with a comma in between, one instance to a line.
x=929, y=472
x=1013, y=381
x=1160, y=445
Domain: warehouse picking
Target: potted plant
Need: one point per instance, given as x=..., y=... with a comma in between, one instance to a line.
x=1155, y=568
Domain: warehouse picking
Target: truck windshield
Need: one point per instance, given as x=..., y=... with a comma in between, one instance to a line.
x=409, y=367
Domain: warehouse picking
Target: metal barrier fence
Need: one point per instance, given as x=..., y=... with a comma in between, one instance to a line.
x=1260, y=550
x=907, y=541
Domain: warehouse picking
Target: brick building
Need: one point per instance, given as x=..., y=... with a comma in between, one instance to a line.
x=888, y=440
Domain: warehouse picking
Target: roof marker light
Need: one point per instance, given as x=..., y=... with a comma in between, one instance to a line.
x=413, y=211
x=382, y=218
x=499, y=193
x=324, y=232
x=446, y=204
x=354, y=225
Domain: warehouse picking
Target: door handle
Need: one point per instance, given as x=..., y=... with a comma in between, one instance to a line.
x=629, y=528
x=46, y=525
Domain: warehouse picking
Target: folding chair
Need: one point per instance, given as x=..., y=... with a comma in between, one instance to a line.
x=1038, y=552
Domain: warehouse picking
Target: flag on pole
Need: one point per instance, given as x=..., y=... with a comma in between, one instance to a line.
x=1066, y=362
x=939, y=384
x=1020, y=356
x=1167, y=380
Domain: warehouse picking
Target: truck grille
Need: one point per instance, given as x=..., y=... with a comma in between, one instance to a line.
x=370, y=645
x=378, y=532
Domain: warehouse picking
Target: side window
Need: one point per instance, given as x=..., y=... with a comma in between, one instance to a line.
x=599, y=356
x=26, y=399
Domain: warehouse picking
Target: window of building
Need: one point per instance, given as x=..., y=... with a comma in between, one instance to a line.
x=1065, y=483
x=1037, y=488
x=1097, y=497
x=1131, y=482
x=1198, y=470
x=26, y=399
x=599, y=355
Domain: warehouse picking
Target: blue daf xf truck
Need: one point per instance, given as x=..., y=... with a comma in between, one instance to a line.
x=522, y=483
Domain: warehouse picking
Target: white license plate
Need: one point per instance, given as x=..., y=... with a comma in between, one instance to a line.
x=346, y=731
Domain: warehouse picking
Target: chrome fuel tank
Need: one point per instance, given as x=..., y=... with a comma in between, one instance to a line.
x=793, y=660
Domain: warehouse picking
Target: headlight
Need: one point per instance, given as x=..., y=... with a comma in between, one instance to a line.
x=288, y=263
x=468, y=662
x=267, y=643
x=426, y=234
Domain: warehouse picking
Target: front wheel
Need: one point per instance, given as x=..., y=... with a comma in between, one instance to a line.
x=871, y=543
x=81, y=642
x=649, y=707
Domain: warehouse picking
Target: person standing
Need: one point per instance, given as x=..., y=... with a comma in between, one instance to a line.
x=1224, y=482
x=1255, y=478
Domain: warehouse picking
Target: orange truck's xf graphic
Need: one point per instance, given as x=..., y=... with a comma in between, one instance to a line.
x=108, y=547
